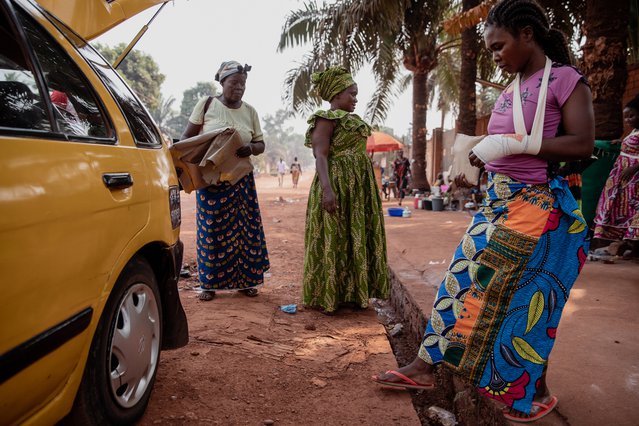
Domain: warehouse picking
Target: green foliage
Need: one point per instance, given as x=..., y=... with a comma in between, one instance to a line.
x=354, y=33
x=139, y=70
x=194, y=94
x=164, y=116
x=282, y=142
x=189, y=98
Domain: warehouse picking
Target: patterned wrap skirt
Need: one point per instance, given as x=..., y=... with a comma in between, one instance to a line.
x=617, y=215
x=231, y=249
x=495, y=317
x=345, y=252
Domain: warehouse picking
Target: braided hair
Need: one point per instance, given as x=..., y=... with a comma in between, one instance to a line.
x=514, y=15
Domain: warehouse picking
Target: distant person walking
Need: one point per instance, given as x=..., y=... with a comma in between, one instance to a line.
x=401, y=170
x=345, y=242
x=231, y=249
x=617, y=217
x=281, y=171
x=296, y=171
x=495, y=316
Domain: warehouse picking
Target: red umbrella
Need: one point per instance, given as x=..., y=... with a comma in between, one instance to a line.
x=382, y=142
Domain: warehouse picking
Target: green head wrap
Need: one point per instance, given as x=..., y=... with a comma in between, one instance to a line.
x=331, y=82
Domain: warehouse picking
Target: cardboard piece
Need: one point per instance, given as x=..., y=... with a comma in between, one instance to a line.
x=209, y=159
x=461, y=148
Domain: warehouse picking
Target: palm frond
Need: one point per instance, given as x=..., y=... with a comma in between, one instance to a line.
x=446, y=78
x=298, y=96
x=300, y=26
x=388, y=86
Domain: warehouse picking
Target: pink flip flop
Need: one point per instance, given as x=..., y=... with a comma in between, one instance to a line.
x=406, y=382
x=545, y=409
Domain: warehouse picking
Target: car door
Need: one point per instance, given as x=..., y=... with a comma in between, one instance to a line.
x=73, y=194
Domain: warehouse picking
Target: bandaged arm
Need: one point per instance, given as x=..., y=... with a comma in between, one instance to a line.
x=493, y=147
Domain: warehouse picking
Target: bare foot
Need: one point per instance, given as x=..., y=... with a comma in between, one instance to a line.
x=542, y=406
x=206, y=295
x=250, y=292
x=418, y=370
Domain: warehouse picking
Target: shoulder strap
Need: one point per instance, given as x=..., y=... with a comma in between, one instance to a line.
x=206, y=107
x=537, y=130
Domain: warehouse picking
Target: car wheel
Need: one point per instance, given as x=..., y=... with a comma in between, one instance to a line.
x=125, y=352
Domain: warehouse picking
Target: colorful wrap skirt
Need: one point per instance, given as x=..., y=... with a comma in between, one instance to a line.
x=617, y=215
x=497, y=310
x=231, y=249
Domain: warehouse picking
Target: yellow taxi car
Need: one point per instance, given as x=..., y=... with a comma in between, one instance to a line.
x=89, y=223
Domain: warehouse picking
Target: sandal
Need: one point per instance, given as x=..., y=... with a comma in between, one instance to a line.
x=542, y=411
x=403, y=381
x=250, y=292
x=206, y=295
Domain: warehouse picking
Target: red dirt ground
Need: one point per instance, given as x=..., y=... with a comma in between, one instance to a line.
x=250, y=363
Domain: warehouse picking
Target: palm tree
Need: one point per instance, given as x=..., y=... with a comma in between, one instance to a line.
x=633, y=32
x=470, y=46
x=606, y=26
x=443, y=84
x=385, y=34
x=604, y=62
x=566, y=15
x=163, y=113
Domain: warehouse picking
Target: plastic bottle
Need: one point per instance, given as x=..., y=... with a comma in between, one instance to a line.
x=406, y=212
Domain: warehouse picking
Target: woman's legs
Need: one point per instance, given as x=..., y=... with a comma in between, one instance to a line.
x=542, y=396
x=206, y=295
x=418, y=370
x=250, y=292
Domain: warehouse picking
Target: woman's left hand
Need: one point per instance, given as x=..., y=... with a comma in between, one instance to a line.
x=245, y=151
x=474, y=161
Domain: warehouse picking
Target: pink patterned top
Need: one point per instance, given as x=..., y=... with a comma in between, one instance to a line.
x=527, y=168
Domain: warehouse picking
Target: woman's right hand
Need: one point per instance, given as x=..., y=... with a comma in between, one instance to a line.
x=475, y=161
x=329, y=202
x=461, y=181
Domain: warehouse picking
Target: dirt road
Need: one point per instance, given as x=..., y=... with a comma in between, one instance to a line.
x=250, y=363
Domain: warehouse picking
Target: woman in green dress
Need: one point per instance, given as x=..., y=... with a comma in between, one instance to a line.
x=345, y=242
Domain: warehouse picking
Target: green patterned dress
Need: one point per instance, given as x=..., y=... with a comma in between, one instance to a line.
x=345, y=252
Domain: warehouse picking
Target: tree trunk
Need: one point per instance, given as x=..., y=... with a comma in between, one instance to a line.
x=467, y=120
x=605, y=51
x=418, y=169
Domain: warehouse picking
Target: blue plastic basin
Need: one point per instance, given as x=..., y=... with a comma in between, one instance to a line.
x=395, y=211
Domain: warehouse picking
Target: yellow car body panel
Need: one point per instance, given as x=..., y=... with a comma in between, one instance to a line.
x=61, y=224
x=91, y=18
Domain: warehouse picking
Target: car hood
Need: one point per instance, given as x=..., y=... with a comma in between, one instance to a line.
x=91, y=18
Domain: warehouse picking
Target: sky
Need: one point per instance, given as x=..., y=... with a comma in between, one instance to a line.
x=189, y=39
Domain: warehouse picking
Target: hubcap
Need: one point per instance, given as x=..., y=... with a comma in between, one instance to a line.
x=135, y=346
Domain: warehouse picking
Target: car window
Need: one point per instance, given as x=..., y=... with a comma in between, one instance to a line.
x=140, y=122
x=21, y=104
x=74, y=103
